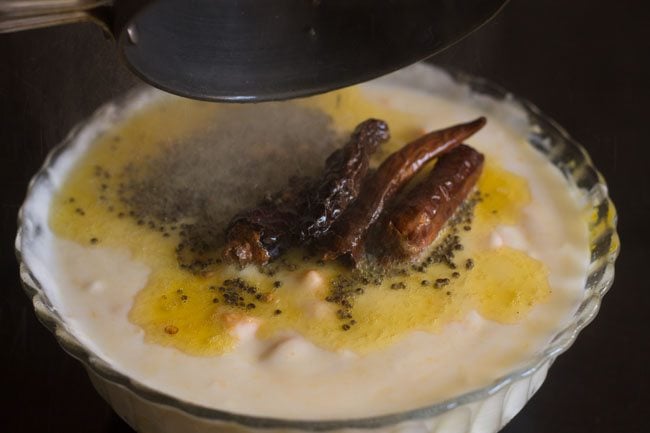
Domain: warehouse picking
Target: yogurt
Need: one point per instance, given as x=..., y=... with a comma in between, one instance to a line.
x=97, y=285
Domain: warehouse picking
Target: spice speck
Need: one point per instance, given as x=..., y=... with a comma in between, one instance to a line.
x=171, y=329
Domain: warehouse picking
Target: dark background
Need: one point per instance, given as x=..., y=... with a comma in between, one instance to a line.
x=583, y=62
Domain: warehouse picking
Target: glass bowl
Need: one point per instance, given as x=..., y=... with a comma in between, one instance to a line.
x=482, y=410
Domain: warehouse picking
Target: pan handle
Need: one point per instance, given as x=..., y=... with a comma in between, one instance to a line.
x=17, y=15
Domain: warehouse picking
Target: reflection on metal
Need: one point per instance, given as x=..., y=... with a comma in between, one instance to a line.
x=132, y=32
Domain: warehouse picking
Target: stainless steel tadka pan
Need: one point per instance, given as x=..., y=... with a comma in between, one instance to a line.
x=254, y=50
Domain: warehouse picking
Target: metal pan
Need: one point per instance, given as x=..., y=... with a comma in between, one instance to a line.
x=251, y=50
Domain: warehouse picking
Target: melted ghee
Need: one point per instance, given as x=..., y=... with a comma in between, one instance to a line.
x=178, y=309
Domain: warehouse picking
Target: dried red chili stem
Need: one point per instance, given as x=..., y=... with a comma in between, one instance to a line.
x=416, y=220
x=347, y=235
x=342, y=177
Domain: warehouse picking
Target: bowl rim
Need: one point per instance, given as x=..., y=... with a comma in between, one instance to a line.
x=597, y=283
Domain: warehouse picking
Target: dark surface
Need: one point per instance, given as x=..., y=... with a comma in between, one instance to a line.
x=585, y=63
x=261, y=50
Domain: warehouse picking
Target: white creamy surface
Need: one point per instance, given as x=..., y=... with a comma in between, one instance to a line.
x=93, y=289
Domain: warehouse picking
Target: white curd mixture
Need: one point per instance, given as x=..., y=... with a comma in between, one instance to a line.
x=118, y=286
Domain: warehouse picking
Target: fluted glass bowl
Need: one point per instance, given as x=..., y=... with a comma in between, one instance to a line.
x=482, y=410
